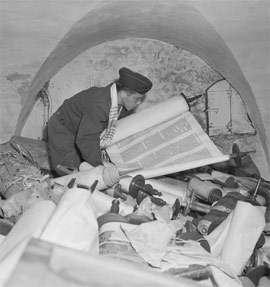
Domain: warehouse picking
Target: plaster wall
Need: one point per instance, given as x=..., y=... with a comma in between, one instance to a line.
x=172, y=70
x=30, y=30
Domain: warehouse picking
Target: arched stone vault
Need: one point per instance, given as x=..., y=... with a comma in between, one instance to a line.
x=175, y=22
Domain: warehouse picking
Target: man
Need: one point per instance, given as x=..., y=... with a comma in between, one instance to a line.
x=85, y=123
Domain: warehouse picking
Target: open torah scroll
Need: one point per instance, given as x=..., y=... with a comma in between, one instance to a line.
x=165, y=135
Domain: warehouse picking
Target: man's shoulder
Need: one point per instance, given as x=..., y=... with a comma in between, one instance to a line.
x=99, y=93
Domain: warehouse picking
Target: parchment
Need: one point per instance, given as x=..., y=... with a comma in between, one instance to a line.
x=164, y=136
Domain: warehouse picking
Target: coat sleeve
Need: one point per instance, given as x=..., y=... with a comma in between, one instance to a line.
x=88, y=136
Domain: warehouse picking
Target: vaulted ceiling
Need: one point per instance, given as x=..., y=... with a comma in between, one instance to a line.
x=228, y=36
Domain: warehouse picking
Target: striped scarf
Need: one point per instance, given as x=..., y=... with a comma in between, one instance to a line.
x=107, y=135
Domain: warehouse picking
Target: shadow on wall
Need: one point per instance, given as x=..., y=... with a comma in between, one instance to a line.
x=175, y=22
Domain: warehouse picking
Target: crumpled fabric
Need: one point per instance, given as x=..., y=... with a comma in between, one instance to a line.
x=150, y=240
x=22, y=185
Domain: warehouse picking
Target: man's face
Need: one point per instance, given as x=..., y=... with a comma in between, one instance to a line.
x=132, y=100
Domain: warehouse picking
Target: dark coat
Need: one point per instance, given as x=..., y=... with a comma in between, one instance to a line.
x=74, y=129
